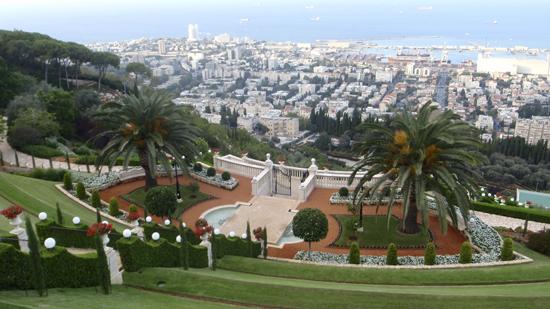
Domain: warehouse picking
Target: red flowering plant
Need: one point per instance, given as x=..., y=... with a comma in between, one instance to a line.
x=12, y=212
x=202, y=227
x=133, y=216
x=258, y=233
x=99, y=229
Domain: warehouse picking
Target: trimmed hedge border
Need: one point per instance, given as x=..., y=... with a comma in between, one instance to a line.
x=136, y=254
x=531, y=214
x=71, y=236
x=61, y=269
x=10, y=239
x=169, y=232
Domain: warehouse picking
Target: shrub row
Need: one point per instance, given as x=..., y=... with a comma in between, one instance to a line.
x=531, y=214
x=168, y=232
x=42, y=151
x=61, y=269
x=73, y=236
x=136, y=254
x=50, y=174
x=90, y=160
x=236, y=246
x=9, y=239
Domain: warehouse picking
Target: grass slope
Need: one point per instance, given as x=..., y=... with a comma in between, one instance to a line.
x=294, y=293
x=376, y=233
x=539, y=270
x=37, y=195
x=88, y=298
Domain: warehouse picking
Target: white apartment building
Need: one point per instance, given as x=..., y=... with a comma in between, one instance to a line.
x=534, y=129
x=281, y=126
x=484, y=122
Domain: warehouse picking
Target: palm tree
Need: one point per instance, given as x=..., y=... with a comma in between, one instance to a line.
x=430, y=155
x=147, y=124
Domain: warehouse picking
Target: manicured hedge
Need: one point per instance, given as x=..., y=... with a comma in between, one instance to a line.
x=532, y=214
x=136, y=254
x=168, y=232
x=11, y=239
x=72, y=235
x=61, y=269
x=235, y=246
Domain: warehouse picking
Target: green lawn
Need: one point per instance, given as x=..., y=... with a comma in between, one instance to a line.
x=189, y=198
x=294, y=293
x=539, y=270
x=37, y=195
x=87, y=298
x=376, y=233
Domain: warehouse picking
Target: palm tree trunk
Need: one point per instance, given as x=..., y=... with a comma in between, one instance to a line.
x=150, y=180
x=410, y=221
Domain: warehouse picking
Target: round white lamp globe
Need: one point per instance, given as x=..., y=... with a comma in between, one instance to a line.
x=42, y=216
x=483, y=194
x=243, y=236
x=148, y=219
x=482, y=189
x=166, y=222
x=216, y=231
x=76, y=220
x=49, y=243
x=183, y=225
x=178, y=238
x=231, y=234
x=155, y=236
x=512, y=199
x=127, y=233
x=105, y=222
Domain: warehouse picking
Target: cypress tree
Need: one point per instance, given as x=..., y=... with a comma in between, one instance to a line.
x=67, y=181
x=184, y=249
x=97, y=215
x=354, y=256
x=429, y=254
x=214, y=244
x=507, y=251
x=36, y=262
x=249, y=239
x=264, y=239
x=465, y=253
x=391, y=257
x=59, y=214
x=103, y=273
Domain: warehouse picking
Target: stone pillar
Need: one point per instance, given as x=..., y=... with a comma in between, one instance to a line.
x=269, y=165
x=113, y=260
x=22, y=237
x=208, y=245
x=313, y=167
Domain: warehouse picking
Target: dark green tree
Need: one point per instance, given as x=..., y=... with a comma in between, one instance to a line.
x=59, y=213
x=391, y=257
x=102, y=61
x=103, y=273
x=161, y=201
x=184, y=248
x=354, y=256
x=38, y=281
x=310, y=224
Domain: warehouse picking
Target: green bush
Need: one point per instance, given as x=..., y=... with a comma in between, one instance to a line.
x=42, y=151
x=465, y=253
x=11, y=239
x=226, y=176
x=540, y=242
x=197, y=167
x=114, y=207
x=531, y=214
x=96, y=199
x=132, y=208
x=81, y=191
x=343, y=192
x=507, y=251
x=354, y=256
x=429, y=254
x=61, y=269
x=73, y=236
x=236, y=246
x=50, y=174
x=391, y=257
x=136, y=254
x=168, y=232
x=211, y=172
x=67, y=181
x=161, y=201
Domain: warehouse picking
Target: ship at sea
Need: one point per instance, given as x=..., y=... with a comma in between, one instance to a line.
x=410, y=56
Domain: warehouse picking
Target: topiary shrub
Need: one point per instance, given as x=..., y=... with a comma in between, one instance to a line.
x=507, y=252
x=96, y=199
x=226, y=176
x=540, y=242
x=465, y=253
x=114, y=207
x=211, y=172
x=354, y=256
x=429, y=254
x=197, y=167
x=132, y=208
x=81, y=191
x=310, y=224
x=161, y=201
x=343, y=192
x=391, y=257
x=67, y=181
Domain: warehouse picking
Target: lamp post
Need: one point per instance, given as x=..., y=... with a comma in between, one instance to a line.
x=178, y=192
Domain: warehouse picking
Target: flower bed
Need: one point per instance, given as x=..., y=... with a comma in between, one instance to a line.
x=482, y=236
x=215, y=180
x=335, y=198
